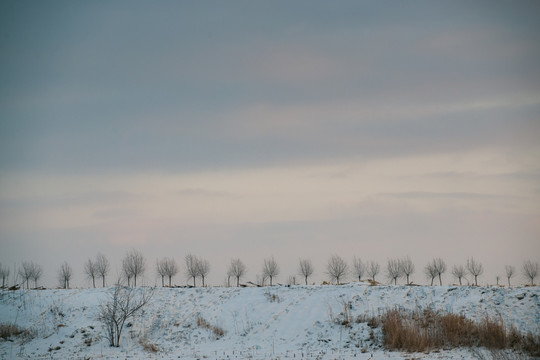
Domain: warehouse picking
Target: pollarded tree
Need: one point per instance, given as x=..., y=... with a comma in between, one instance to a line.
x=475, y=269
x=171, y=269
x=393, y=270
x=373, y=269
x=102, y=267
x=458, y=272
x=530, y=270
x=407, y=267
x=440, y=268
x=270, y=269
x=510, y=270
x=4, y=273
x=358, y=268
x=90, y=271
x=203, y=268
x=36, y=273
x=237, y=269
x=25, y=272
x=160, y=269
x=305, y=269
x=192, y=271
x=431, y=271
x=336, y=268
x=64, y=275
x=133, y=265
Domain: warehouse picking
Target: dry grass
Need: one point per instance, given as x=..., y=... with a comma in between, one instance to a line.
x=201, y=322
x=423, y=331
x=148, y=346
x=12, y=330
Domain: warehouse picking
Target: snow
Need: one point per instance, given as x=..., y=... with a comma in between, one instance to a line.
x=260, y=323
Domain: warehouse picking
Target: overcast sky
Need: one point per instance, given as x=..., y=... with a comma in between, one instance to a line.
x=249, y=129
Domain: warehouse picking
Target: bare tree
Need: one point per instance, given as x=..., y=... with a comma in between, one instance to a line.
x=305, y=268
x=25, y=272
x=237, y=269
x=36, y=272
x=102, y=267
x=270, y=269
x=510, y=270
x=373, y=269
x=192, y=270
x=440, y=268
x=336, y=268
x=203, y=268
x=458, y=272
x=530, y=270
x=475, y=269
x=123, y=303
x=358, y=268
x=133, y=265
x=4, y=273
x=407, y=267
x=90, y=270
x=64, y=275
x=393, y=269
x=431, y=271
x=160, y=268
x=171, y=269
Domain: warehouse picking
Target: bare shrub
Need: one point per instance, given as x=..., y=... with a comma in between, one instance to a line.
x=123, y=303
x=30, y=270
x=202, y=323
x=272, y=297
x=192, y=271
x=8, y=331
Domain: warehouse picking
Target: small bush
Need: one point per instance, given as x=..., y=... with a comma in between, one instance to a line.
x=272, y=297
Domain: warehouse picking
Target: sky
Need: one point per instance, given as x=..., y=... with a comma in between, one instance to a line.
x=254, y=129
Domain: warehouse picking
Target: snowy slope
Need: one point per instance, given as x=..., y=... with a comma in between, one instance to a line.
x=278, y=322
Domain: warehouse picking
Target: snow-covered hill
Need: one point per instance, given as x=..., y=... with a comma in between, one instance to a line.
x=260, y=323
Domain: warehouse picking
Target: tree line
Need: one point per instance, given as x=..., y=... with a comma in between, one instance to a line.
x=134, y=267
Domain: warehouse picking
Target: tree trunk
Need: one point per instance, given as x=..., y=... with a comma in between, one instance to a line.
x=162, y=281
x=306, y=280
x=440, y=280
x=202, y=281
x=460, y=281
x=94, y=281
x=407, y=279
x=134, y=280
x=509, y=282
x=238, y=281
x=432, y=281
x=103, y=280
x=476, y=280
x=170, y=281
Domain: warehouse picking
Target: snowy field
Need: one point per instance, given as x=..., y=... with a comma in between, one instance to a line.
x=259, y=323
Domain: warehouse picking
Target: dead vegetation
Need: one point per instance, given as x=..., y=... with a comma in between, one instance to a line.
x=8, y=331
x=203, y=323
x=427, y=330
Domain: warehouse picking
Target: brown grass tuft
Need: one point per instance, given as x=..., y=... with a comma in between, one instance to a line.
x=12, y=330
x=424, y=331
x=201, y=322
